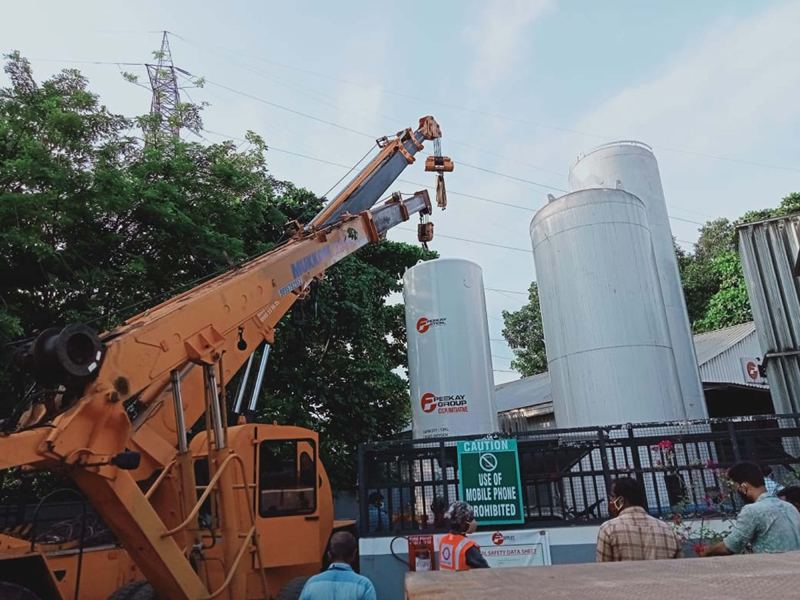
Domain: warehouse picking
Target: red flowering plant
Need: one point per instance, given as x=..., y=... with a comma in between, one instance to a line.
x=716, y=505
x=666, y=450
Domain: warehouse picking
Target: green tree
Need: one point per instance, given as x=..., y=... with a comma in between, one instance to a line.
x=713, y=281
x=96, y=227
x=729, y=305
x=525, y=335
x=337, y=357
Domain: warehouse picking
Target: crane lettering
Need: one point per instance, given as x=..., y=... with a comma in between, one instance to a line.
x=310, y=261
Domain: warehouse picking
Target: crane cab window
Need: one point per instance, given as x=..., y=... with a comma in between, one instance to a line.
x=287, y=478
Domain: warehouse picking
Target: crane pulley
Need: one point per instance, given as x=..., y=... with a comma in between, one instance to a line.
x=440, y=165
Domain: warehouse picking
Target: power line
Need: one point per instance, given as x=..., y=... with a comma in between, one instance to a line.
x=453, y=106
x=87, y=62
x=460, y=239
x=499, y=116
x=506, y=291
x=450, y=192
x=371, y=148
x=549, y=187
x=291, y=110
x=272, y=77
x=350, y=129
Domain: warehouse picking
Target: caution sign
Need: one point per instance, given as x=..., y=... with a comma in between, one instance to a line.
x=490, y=481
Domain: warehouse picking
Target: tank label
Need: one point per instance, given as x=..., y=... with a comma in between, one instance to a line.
x=424, y=324
x=444, y=404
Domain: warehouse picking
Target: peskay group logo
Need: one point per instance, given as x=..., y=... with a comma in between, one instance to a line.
x=498, y=538
x=444, y=404
x=424, y=324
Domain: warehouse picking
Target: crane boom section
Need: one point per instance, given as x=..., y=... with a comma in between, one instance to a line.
x=373, y=181
x=194, y=328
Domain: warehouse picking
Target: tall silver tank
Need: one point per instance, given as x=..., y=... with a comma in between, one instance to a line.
x=605, y=327
x=632, y=166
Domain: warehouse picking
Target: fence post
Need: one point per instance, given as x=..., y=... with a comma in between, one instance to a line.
x=732, y=432
x=601, y=436
x=363, y=509
x=637, y=465
x=443, y=466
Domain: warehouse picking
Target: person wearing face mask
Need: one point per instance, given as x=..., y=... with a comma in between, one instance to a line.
x=766, y=523
x=378, y=516
x=456, y=551
x=633, y=534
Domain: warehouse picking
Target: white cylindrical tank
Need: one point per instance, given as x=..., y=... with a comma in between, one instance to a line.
x=605, y=327
x=449, y=357
x=634, y=166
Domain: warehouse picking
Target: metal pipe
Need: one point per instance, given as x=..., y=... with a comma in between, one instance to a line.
x=259, y=379
x=216, y=414
x=237, y=406
x=177, y=401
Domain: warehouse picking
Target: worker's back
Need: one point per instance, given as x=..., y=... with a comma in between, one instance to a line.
x=635, y=535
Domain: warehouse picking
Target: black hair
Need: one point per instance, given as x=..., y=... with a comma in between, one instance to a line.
x=343, y=546
x=790, y=494
x=629, y=489
x=747, y=472
x=375, y=497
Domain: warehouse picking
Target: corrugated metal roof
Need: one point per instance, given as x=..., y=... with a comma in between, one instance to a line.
x=527, y=391
x=535, y=390
x=713, y=343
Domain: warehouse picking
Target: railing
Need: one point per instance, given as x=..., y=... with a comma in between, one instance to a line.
x=566, y=474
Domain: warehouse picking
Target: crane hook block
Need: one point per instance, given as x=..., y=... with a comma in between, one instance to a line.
x=439, y=164
x=425, y=232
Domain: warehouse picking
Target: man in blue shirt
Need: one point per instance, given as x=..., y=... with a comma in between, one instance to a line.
x=765, y=522
x=339, y=582
x=378, y=516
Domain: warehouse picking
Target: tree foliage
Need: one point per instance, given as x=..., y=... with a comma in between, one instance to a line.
x=525, y=335
x=95, y=226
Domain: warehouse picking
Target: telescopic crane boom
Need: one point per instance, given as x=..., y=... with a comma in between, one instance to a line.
x=130, y=395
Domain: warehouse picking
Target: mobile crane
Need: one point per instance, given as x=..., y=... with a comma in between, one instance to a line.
x=239, y=511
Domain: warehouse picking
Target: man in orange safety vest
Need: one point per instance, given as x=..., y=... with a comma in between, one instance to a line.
x=456, y=551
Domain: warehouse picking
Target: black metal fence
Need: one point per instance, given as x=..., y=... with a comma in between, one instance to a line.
x=406, y=486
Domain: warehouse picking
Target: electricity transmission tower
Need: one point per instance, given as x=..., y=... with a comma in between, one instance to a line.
x=166, y=97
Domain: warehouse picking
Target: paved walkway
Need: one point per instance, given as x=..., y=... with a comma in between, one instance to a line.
x=724, y=578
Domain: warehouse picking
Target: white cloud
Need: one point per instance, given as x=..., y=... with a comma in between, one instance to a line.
x=730, y=92
x=718, y=93
x=500, y=36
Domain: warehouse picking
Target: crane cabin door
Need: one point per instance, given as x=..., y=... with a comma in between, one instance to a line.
x=288, y=498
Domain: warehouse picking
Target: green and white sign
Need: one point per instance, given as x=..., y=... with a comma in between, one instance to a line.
x=490, y=481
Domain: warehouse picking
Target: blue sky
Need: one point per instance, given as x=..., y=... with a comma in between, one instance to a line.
x=504, y=78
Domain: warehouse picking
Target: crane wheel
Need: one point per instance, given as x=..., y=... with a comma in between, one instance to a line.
x=135, y=590
x=293, y=589
x=12, y=591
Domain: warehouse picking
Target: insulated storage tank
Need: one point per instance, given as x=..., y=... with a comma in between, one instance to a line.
x=605, y=327
x=449, y=357
x=632, y=166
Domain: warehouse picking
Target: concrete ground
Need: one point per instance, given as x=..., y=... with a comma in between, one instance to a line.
x=723, y=578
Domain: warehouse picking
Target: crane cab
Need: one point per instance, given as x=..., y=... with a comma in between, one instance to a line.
x=291, y=493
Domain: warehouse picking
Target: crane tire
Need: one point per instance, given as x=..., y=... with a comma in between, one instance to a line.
x=293, y=589
x=135, y=590
x=12, y=591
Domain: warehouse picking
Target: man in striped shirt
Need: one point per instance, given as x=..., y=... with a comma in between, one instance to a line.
x=634, y=534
